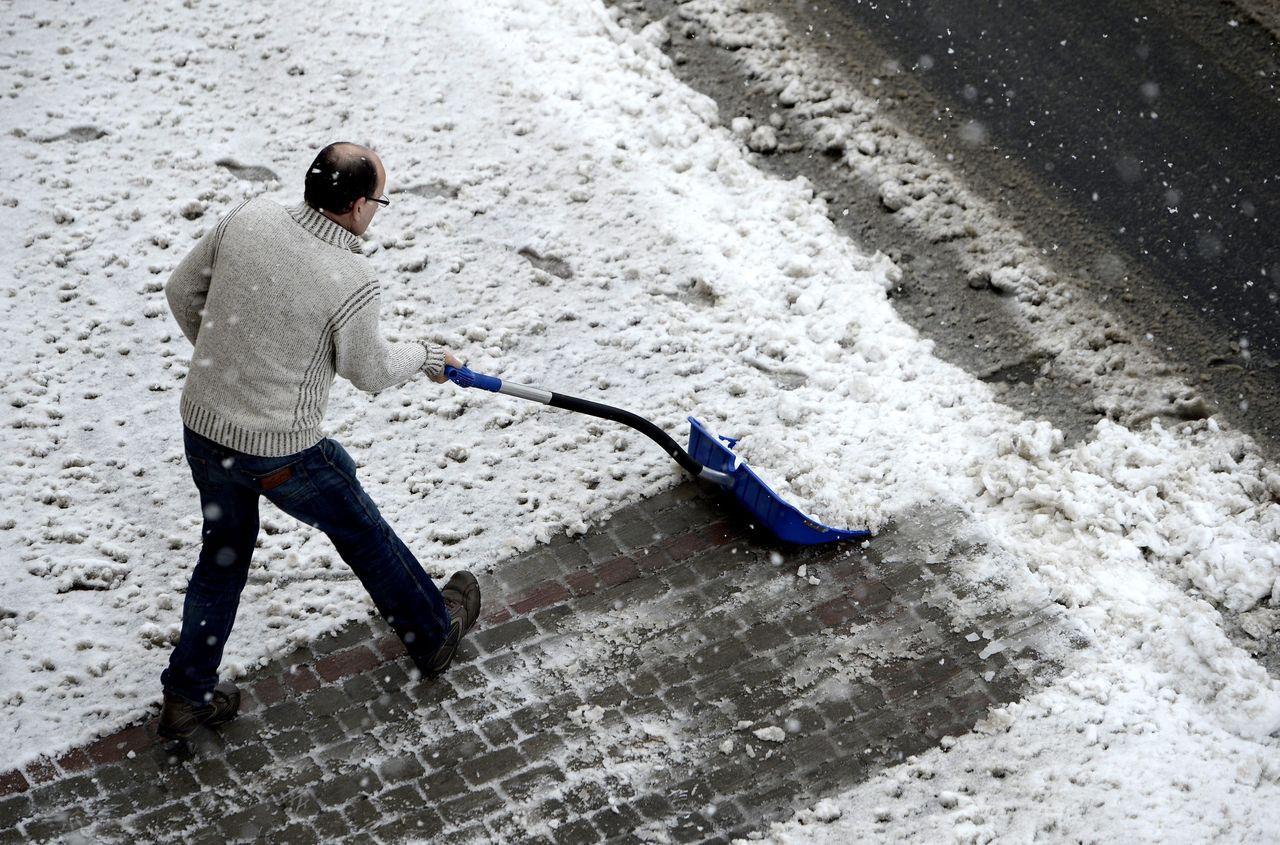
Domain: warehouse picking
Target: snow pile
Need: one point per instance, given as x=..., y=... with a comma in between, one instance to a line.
x=1194, y=502
x=564, y=214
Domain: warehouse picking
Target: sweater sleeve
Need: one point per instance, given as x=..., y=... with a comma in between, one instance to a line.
x=362, y=355
x=188, y=285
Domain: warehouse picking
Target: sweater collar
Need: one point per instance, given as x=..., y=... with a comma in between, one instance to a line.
x=324, y=228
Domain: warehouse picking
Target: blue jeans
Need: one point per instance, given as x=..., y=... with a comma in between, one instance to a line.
x=317, y=486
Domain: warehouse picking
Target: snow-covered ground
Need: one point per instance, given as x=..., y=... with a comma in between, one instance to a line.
x=566, y=213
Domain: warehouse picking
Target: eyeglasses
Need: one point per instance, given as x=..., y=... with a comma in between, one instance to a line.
x=382, y=201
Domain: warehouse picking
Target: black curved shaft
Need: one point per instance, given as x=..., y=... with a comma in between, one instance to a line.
x=640, y=424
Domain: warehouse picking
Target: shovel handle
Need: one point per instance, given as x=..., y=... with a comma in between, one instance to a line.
x=464, y=377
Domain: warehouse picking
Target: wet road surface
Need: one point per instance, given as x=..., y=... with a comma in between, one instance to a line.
x=1155, y=122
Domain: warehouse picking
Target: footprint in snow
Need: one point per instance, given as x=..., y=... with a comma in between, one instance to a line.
x=248, y=172
x=548, y=263
x=431, y=190
x=79, y=134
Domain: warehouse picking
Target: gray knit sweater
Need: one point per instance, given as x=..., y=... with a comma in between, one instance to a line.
x=277, y=302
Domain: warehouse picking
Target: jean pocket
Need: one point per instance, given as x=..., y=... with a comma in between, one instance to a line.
x=286, y=483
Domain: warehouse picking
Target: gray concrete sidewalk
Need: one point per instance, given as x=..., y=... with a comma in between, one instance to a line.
x=665, y=677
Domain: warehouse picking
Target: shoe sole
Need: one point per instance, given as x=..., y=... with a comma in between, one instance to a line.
x=175, y=735
x=211, y=723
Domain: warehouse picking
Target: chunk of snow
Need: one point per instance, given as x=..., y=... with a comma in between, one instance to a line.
x=773, y=733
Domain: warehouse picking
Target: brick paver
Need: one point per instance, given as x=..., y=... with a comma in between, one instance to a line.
x=666, y=677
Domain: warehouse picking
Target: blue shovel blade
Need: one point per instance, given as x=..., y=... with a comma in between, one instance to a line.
x=784, y=521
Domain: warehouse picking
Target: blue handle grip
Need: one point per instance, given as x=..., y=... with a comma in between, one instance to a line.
x=464, y=377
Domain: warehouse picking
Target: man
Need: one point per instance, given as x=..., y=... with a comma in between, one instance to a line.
x=278, y=301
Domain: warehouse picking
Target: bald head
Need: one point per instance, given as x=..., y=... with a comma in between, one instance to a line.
x=341, y=174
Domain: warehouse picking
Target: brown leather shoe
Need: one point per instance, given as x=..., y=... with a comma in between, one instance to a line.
x=462, y=598
x=179, y=718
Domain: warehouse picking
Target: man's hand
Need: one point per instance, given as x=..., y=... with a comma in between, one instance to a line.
x=449, y=361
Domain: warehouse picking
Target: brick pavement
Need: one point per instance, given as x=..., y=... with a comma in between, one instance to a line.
x=665, y=677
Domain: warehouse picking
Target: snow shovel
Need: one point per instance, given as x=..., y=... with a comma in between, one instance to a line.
x=708, y=457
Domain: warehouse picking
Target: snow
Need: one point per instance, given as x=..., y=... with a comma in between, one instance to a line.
x=565, y=213
x=1121, y=756
x=771, y=733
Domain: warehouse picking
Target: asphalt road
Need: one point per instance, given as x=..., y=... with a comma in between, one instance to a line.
x=1156, y=122
x=1168, y=138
